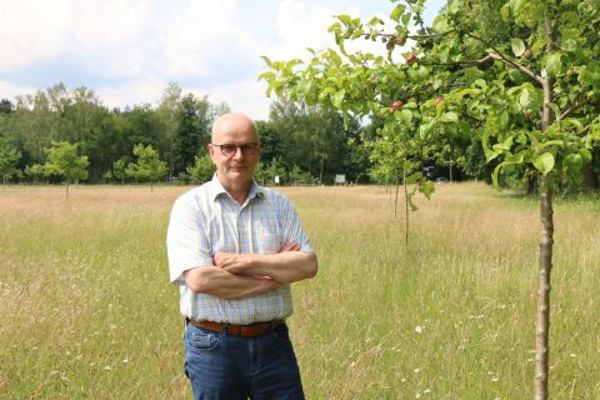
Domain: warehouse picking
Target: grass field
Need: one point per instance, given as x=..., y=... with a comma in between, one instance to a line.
x=86, y=310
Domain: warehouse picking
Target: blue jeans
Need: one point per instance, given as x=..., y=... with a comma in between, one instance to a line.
x=222, y=366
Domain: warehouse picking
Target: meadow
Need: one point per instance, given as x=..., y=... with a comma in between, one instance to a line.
x=87, y=312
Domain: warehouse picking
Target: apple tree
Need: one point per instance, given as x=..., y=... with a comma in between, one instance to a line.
x=520, y=77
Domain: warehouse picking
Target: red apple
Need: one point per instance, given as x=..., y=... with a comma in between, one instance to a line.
x=411, y=58
x=438, y=101
x=396, y=105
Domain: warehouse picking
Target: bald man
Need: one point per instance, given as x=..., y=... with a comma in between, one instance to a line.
x=234, y=248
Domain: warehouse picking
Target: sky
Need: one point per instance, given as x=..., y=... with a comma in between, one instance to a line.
x=127, y=51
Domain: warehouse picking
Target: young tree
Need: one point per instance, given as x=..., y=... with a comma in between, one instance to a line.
x=119, y=169
x=522, y=77
x=9, y=158
x=202, y=170
x=63, y=161
x=148, y=166
x=35, y=172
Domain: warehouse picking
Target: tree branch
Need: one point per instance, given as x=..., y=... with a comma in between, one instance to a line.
x=571, y=109
x=497, y=55
x=481, y=61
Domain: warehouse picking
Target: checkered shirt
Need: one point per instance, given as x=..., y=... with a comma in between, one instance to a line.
x=206, y=220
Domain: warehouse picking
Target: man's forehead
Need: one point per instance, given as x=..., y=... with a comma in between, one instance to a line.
x=238, y=129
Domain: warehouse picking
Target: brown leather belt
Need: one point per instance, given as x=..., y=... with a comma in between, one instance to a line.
x=253, y=330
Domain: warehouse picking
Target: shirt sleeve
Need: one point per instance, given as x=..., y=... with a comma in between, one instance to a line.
x=187, y=244
x=293, y=232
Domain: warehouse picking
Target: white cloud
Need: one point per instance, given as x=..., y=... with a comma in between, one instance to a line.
x=30, y=31
x=12, y=90
x=128, y=50
x=145, y=90
x=247, y=96
x=203, y=40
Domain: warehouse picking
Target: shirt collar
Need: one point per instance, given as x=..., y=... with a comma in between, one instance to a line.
x=216, y=189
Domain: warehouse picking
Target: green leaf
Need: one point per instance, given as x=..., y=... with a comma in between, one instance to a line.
x=425, y=130
x=409, y=198
x=304, y=86
x=427, y=188
x=405, y=115
x=334, y=27
x=375, y=21
x=516, y=6
x=440, y=24
x=574, y=163
x=495, y=174
x=504, y=119
x=552, y=64
x=544, y=163
x=449, y=117
x=267, y=60
x=267, y=76
x=346, y=19
x=586, y=155
x=505, y=12
x=406, y=19
x=504, y=146
x=325, y=92
x=549, y=143
x=490, y=154
x=397, y=12
x=480, y=83
x=338, y=98
x=518, y=46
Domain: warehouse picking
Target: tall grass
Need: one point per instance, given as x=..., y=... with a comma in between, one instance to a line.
x=86, y=310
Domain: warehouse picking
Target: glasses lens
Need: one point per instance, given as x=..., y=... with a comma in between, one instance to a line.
x=249, y=148
x=229, y=150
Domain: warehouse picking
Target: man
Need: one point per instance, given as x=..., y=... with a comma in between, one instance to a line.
x=234, y=248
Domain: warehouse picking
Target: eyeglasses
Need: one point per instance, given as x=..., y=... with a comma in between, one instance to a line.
x=229, y=150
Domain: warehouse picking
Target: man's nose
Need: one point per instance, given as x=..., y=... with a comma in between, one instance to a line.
x=238, y=152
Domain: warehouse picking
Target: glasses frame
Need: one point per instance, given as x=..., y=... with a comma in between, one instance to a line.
x=247, y=149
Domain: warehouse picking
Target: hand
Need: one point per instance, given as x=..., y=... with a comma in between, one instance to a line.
x=234, y=263
x=290, y=247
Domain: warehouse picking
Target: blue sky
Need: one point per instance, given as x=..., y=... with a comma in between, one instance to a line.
x=128, y=51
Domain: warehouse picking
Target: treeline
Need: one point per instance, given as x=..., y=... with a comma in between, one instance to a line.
x=300, y=145
x=167, y=142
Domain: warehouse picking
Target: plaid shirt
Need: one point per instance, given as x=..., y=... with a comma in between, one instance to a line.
x=206, y=220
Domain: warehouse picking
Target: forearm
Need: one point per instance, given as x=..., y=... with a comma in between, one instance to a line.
x=223, y=284
x=286, y=267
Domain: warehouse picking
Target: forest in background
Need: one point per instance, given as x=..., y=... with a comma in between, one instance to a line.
x=301, y=144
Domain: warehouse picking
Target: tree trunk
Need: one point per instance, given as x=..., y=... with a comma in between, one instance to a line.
x=542, y=328
x=542, y=334
x=396, y=199
x=67, y=189
x=591, y=178
x=406, y=212
x=321, y=171
x=451, y=171
x=532, y=184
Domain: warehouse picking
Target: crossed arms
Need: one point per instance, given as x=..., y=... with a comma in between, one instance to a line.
x=237, y=276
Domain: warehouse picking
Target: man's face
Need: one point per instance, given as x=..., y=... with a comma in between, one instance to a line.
x=234, y=150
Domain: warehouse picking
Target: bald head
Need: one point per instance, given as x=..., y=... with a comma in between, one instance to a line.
x=234, y=125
